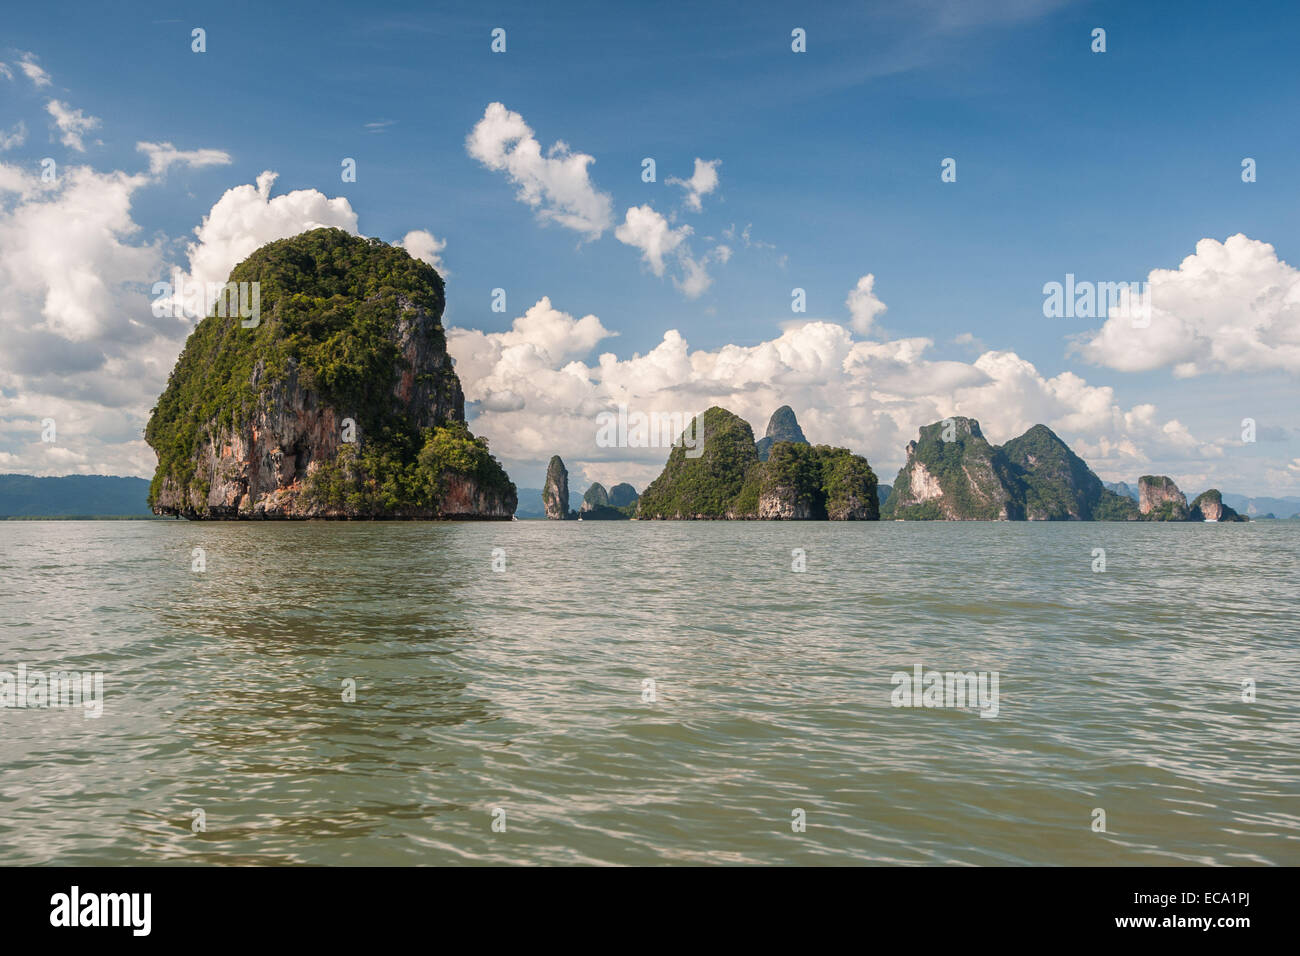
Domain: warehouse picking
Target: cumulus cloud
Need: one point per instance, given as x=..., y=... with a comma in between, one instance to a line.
x=162, y=156
x=556, y=184
x=81, y=346
x=863, y=305
x=1233, y=306
x=539, y=391
x=648, y=231
x=423, y=244
x=702, y=182
x=246, y=218
x=65, y=250
x=72, y=123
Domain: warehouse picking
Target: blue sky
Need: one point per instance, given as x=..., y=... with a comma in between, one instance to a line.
x=1105, y=165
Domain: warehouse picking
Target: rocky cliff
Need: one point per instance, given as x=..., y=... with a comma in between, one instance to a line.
x=1209, y=506
x=782, y=426
x=953, y=473
x=1160, y=500
x=338, y=400
x=555, y=491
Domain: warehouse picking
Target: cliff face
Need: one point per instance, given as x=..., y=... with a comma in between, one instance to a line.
x=555, y=492
x=340, y=402
x=798, y=482
x=953, y=473
x=790, y=484
x=782, y=426
x=1209, y=506
x=1160, y=500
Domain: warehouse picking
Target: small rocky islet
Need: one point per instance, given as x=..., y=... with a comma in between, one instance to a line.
x=341, y=402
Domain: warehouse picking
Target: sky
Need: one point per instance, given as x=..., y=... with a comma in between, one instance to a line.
x=915, y=177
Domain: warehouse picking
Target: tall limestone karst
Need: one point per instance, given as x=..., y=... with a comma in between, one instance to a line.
x=337, y=400
x=1160, y=500
x=782, y=426
x=555, y=491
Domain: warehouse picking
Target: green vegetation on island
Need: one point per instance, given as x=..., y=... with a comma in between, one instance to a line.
x=727, y=480
x=342, y=384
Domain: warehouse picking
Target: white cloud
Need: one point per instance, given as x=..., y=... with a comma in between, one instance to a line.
x=65, y=252
x=702, y=182
x=80, y=344
x=72, y=123
x=15, y=138
x=647, y=230
x=863, y=304
x=695, y=280
x=162, y=156
x=33, y=71
x=1233, y=306
x=7, y=73
x=555, y=184
x=423, y=244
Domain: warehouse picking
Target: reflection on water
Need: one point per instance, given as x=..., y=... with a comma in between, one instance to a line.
x=522, y=691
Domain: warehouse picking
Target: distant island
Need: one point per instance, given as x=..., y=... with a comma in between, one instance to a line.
x=952, y=473
x=728, y=480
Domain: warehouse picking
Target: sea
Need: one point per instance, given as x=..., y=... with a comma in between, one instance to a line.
x=649, y=693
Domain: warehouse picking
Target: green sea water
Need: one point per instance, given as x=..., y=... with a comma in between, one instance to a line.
x=519, y=696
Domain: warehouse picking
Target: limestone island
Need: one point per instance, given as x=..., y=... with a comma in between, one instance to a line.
x=338, y=400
